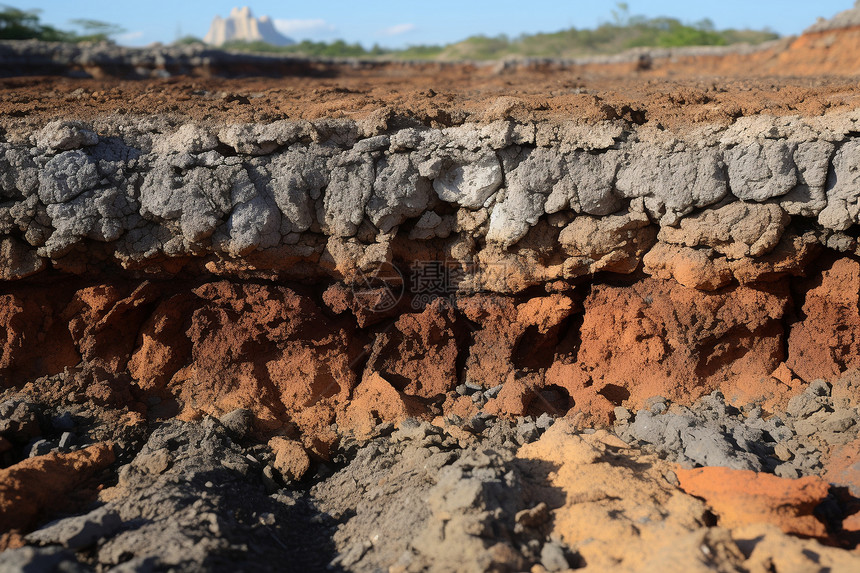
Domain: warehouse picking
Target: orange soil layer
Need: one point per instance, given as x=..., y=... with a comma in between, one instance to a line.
x=299, y=357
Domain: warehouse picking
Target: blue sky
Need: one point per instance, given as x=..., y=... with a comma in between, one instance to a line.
x=404, y=22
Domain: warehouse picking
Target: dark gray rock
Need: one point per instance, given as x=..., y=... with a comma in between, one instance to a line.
x=238, y=422
x=78, y=532
x=190, y=500
x=40, y=560
x=64, y=422
x=19, y=421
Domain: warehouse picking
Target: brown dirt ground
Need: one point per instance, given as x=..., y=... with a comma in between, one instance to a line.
x=449, y=98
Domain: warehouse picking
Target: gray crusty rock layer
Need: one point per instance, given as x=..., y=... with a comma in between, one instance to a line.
x=846, y=19
x=550, y=200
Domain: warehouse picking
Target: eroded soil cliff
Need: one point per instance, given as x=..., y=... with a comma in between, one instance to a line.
x=433, y=317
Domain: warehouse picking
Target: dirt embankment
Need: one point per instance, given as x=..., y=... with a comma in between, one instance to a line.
x=388, y=283
x=278, y=267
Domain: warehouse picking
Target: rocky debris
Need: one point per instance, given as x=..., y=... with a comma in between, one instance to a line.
x=600, y=493
x=19, y=421
x=708, y=434
x=238, y=423
x=424, y=501
x=712, y=433
x=191, y=499
x=513, y=495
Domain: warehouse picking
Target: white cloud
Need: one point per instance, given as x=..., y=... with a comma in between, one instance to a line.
x=128, y=36
x=304, y=28
x=398, y=29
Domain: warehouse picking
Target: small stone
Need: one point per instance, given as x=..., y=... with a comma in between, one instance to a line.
x=544, y=421
x=238, y=422
x=66, y=440
x=622, y=414
x=415, y=430
x=155, y=463
x=462, y=389
x=493, y=392
x=284, y=497
x=80, y=531
x=19, y=421
x=291, y=459
x=39, y=448
x=552, y=557
x=672, y=478
x=656, y=404
x=786, y=470
x=804, y=405
x=65, y=135
x=805, y=428
x=839, y=421
x=534, y=517
x=527, y=432
x=269, y=479
x=477, y=424
x=782, y=453
x=818, y=388
x=754, y=411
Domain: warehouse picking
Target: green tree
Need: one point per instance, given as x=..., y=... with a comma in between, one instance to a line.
x=18, y=24
x=96, y=30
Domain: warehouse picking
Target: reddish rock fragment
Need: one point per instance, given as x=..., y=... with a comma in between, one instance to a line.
x=37, y=486
x=375, y=401
x=291, y=459
x=741, y=497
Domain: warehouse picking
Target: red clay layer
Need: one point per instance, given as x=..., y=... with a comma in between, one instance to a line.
x=295, y=356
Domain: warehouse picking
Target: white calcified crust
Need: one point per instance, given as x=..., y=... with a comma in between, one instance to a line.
x=551, y=200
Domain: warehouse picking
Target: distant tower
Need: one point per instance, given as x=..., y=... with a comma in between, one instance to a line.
x=241, y=26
